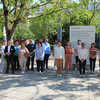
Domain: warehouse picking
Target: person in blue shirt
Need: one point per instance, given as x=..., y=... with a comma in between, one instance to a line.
x=39, y=57
x=31, y=48
x=47, y=53
x=16, y=62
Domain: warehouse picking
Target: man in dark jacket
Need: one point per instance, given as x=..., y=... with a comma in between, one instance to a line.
x=31, y=47
x=9, y=51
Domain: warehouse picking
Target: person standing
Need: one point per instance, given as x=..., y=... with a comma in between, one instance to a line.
x=92, y=54
x=54, y=46
x=59, y=57
x=99, y=65
x=9, y=52
x=39, y=57
x=68, y=56
x=22, y=58
x=47, y=53
x=16, y=46
x=64, y=44
x=40, y=41
x=77, y=48
x=3, y=60
x=31, y=48
x=83, y=55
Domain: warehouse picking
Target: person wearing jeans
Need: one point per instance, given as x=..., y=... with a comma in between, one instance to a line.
x=16, y=46
x=39, y=57
x=47, y=53
x=82, y=54
x=59, y=57
x=92, y=54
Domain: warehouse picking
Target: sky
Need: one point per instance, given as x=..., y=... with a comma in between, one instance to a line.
x=35, y=1
x=2, y=6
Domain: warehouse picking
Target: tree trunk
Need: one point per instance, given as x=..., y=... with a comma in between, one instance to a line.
x=10, y=33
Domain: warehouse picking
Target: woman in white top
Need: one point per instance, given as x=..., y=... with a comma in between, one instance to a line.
x=3, y=60
x=22, y=58
x=59, y=57
x=83, y=55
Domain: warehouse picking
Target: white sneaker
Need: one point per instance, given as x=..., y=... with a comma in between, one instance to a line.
x=80, y=75
x=83, y=76
x=57, y=74
x=22, y=72
x=60, y=75
x=75, y=69
x=1, y=71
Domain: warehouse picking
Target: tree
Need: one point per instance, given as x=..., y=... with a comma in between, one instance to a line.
x=86, y=11
x=16, y=11
x=23, y=32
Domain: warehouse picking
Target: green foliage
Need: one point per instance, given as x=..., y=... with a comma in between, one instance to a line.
x=23, y=32
x=44, y=24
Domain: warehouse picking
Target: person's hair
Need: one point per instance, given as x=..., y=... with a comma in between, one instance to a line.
x=9, y=40
x=92, y=44
x=21, y=44
x=59, y=41
x=39, y=43
x=30, y=40
x=15, y=41
x=47, y=39
x=78, y=40
x=4, y=40
x=67, y=43
x=83, y=44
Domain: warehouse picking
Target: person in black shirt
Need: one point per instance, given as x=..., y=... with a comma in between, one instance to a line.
x=9, y=51
x=31, y=48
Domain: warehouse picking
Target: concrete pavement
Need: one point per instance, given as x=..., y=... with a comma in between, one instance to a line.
x=48, y=86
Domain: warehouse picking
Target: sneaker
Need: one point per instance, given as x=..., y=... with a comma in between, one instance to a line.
x=80, y=75
x=22, y=72
x=75, y=69
x=83, y=76
x=1, y=71
x=91, y=72
x=57, y=74
x=42, y=73
x=60, y=75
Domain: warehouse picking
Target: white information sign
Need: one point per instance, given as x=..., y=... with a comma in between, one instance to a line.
x=84, y=33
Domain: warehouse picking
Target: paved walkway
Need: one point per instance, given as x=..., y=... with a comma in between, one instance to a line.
x=49, y=87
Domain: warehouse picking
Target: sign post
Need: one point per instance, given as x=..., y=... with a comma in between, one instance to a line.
x=84, y=33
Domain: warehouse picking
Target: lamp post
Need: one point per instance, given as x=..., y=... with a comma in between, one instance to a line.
x=59, y=34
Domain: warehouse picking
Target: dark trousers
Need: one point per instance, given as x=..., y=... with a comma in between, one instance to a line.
x=39, y=65
x=32, y=62
x=82, y=66
x=92, y=64
x=16, y=62
x=46, y=57
x=10, y=60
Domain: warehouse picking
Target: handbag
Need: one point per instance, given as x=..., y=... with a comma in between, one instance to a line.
x=27, y=55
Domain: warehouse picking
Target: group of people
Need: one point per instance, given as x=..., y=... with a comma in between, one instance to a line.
x=66, y=52
x=19, y=57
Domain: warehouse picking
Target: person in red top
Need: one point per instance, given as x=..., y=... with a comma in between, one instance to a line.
x=68, y=56
x=92, y=54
